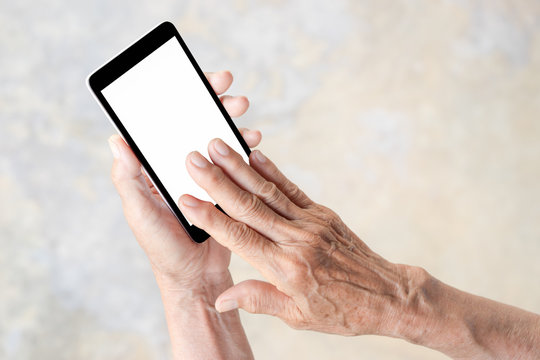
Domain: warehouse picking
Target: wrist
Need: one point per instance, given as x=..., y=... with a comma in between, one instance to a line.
x=205, y=288
x=196, y=329
x=435, y=315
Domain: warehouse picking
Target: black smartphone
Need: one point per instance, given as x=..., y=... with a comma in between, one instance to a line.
x=160, y=102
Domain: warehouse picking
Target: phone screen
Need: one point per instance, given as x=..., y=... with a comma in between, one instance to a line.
x=168, y=112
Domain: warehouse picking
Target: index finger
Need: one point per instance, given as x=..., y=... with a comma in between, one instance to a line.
x=241, y=205
x=234, y=235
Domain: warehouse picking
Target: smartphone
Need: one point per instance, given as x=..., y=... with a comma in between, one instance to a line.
x=160, y=102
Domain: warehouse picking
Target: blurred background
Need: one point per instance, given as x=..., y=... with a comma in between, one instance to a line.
x=416, y=120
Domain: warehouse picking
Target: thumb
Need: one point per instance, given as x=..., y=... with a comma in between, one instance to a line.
x=127, y=176
x=257, y=297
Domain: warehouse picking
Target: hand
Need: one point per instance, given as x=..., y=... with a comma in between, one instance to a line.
x=321, y=275
x=178, y=263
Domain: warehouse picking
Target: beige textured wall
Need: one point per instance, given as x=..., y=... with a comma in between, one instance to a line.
x=416, y=120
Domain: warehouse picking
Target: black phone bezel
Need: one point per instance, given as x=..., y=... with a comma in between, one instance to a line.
x=126, y=60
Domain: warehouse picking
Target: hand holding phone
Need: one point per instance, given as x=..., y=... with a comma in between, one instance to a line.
x=172, y=253
x=181, y=267
x=157, y=230
x=160, y=102
x=188, y=273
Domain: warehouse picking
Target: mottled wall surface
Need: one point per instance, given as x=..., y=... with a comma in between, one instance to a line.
x=416, y=120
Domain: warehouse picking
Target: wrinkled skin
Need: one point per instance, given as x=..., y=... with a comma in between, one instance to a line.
x=321, y=275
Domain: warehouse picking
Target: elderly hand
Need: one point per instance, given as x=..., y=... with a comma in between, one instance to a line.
x=321, y=275
x=189, y=275
x=178, y=263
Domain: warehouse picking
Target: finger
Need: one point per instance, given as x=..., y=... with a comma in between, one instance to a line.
x=127, y=175
x=235, y=105
x=248, y=179
x=237, y=203
x=257, y=297
x=268, y=170
x=236, y=236
x=220, y=80
x=140, y=205
x=252, y=137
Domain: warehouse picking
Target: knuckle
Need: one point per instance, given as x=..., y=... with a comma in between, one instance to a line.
x=236, y=230
x=320, y=234
x=313, y=234
x=247, y=205
x=240, y=235
x=269, y=192
x=253, y=304
x=292, y=190
x=328, y=216
x=307, y=237
x=324, y=231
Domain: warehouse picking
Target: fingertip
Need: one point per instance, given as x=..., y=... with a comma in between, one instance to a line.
x=220, y=80
x=226, y=301
x=236, y=106
x=120, y=149
x=252, y=137
x=197, y=159
x=227, y=304
x=114, y=137
x=258, y=156
x=115, y=150
x=253, y=296
x=227, y=73
x=218, y=146
x=189, y=201
x=256, y=136
x=223, y=75
x=244, y=99
x=243, y=104
x=190, y=206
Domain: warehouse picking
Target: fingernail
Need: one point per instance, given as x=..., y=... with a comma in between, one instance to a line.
x=259, y=156
x=227, y=305
x=197, y=159
x=189, y=201
x=114, y=149
x=221, y=147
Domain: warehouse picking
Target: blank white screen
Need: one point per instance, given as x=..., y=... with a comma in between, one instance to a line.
x=167, y=110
